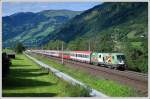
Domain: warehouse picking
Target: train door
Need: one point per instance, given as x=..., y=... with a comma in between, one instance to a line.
x=100, y=58
x=113, y=58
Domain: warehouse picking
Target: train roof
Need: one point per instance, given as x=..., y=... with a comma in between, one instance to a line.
x=110, y=53
x=85, y=52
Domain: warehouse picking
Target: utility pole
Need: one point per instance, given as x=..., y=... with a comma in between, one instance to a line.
x=42, y=50
x=89, y=46
x=35, y=44
x=57, y=47
x=62, y=54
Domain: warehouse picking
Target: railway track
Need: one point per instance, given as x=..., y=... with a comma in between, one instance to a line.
x=138, y=81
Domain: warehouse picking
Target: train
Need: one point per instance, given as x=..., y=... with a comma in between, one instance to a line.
x=110, y=60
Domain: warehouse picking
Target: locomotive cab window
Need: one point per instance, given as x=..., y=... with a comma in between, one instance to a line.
x=120, y=57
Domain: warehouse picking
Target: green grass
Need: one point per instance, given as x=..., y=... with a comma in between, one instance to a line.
x=108, y=87
x=27, y=79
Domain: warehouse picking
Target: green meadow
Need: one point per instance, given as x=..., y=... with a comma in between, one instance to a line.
x=27, y=79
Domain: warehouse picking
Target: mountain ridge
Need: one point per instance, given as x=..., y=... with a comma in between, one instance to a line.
x=20, y=25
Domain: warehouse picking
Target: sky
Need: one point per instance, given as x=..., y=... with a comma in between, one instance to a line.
x=9, y=8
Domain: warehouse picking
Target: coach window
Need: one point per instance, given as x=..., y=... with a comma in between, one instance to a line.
x=99, y=56
x=83, y=56
x=86, y=56
x=80, y=55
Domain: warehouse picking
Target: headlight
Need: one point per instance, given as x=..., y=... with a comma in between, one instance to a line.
x=122, y=62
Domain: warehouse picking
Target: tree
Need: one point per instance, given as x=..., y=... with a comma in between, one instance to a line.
x=6, y=62
x=19, y=48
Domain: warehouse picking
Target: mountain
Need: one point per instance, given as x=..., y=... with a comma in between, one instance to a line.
x=112, y=16
x=109, y=27
x=28, y=27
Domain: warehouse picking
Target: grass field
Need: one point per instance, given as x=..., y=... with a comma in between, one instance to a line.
x=27, y=79
x=108, y=87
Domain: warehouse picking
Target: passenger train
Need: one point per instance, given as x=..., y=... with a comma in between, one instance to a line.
x=111, y=60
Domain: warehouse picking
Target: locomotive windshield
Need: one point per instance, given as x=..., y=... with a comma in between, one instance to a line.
x=120, y=57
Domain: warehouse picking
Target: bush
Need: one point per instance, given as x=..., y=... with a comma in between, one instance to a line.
x=137, y=59
x=5, y=64
x=76, y=90
x=139, y=65
x=12, y=55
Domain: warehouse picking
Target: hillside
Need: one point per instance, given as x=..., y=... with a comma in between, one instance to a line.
x=28, y=27
x=109, y=27
x=107, y=16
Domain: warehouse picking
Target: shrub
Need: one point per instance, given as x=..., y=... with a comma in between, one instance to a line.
x=137, y=58
x=12, y=55
x=76, y=90
x=5, y=64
